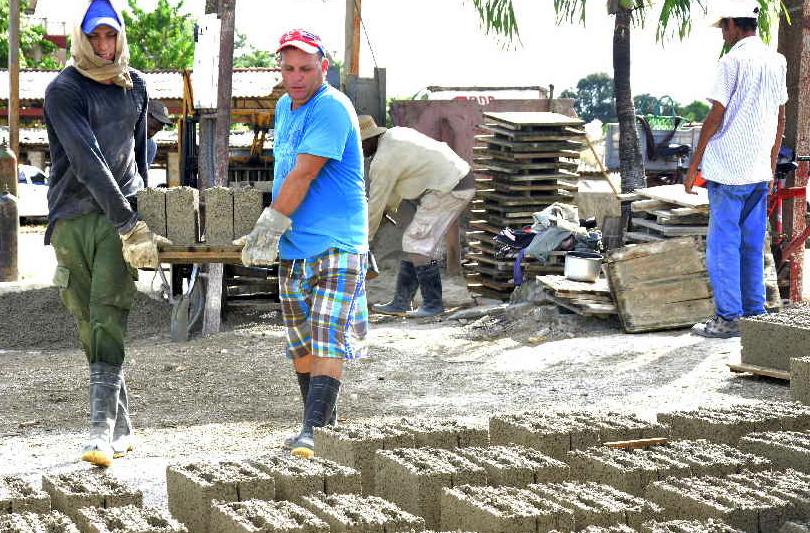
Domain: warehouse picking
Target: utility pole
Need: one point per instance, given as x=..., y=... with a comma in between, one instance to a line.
x=14, y=76
x=351, y=55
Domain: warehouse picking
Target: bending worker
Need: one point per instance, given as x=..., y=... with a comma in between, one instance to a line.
x=408, y=165
x=95, y=112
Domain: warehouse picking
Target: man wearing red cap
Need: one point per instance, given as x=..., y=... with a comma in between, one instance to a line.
x=317, y=225
x=95, y=112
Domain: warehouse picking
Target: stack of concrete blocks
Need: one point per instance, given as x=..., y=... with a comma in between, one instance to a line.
x=193, y=487
x=772, y=340
x=230, y=213
x=258, y=516
x=152, y=209
x=413, y=478
x=73, y=491
x=632, y=470
x=20, y=496
x=295, y=477
x=800, y=379
x=516, y=466
x=729, y=424
x=443, y=433
x=354, y=445
x=785, y=449
x=353, y=513
x=556, y=434
x=128, y=519
x=182, y=215
x=247, y=207
x=752, y=502
x=795, y=527
x=50, y=522
x=689, y=526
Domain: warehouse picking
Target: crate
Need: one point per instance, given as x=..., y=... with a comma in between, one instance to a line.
x=688, y=136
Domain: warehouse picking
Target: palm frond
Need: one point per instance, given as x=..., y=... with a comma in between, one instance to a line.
x=498, y=18
x=570, y=10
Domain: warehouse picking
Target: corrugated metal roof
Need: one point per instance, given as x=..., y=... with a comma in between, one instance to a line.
x=163, y=85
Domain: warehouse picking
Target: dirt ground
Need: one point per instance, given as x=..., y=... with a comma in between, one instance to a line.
x=234, y=394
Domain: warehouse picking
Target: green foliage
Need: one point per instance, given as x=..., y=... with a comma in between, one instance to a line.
x=160, y=39
x=593, y=98
x=246, y=55
x=32, y=42
x=694, y=112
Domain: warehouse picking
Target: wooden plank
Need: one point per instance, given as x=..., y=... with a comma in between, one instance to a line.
x=640, y=206
x=759, y=371
x=636, y=444
x=556, y=134
x=675, y=194
x=528, y=146
x=637, y=236
x=671, y=231
x=628, y=253
x=584, y=309
x=524, y=119
x=561, y=283
x=200, y=254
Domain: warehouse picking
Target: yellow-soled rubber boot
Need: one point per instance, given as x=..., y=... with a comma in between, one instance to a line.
x=123, y=441
x=98, y=453
x=303, y=447
x=105, y=386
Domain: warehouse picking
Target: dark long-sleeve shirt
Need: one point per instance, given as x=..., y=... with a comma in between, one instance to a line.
x=97, y=137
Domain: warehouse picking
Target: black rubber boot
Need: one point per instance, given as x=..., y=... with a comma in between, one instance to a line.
x=321, y=401
x=303, y=384
x=407, y=284
x=122, y=439
x=105, y=386
x=430, y=284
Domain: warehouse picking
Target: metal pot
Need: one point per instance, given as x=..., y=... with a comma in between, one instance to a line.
x=583, y=266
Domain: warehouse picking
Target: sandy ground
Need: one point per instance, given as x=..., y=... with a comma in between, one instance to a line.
x=234, y=394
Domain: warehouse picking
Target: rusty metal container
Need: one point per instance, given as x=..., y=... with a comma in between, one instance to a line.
x=9, y=231
x=8, y=169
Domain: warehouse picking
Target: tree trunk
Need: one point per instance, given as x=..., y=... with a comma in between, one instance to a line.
x=631, y=164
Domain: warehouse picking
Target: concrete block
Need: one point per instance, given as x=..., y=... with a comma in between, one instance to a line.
x=594, y=504
x=500, y=509
x=555, y=434
x=444, y=433
x=413, y=478
x=800, y=379
x=795, y=527
x=182, y=215
x=516, y=466
x=632, y=470
x=72, y=491
x=729, y=424
x=191, y=489
x=353, y=513
x=785, y=449
x=51, y=522
x=295, y=477
x=128, y=519
x=354, y=445
x=247, y=207
x=688, y=526
x=772, y=340
x=611, y=529
x=19, y=496
x=258, y=516
x=218, y=216
x=152, y=208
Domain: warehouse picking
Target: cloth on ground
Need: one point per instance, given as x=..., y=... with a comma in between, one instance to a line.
x=552, y=226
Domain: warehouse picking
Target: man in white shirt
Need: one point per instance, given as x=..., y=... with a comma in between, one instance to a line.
x=738, y=149
x=408, y=165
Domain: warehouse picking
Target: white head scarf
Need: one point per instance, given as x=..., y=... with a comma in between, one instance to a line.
x=85, y=60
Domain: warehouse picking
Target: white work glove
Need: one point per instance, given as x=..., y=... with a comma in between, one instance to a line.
x=140, y=246
x=260, y=246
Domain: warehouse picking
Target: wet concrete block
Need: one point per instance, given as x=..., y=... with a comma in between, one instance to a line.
x=152, y=208
x=182, y=215
x=247, y=207
x=800, y=379
x=191, y=489
x=688, y=526
x=19, y=496
x=128, y=519
x=594, y=504
x=729, y=424
x=72, y=491
x=259, y=516
x=499, y=509
x=795, y=527
x=442, y=433
x=772, y=340
x=51, y=522
x=555, y=434
x=295, y=477
x=516, y=466
x=632, y=470
x=352, y=513
x=611, y=529
x=413, y=478
x=354, y=445
x=785, y=449
x=218, y=216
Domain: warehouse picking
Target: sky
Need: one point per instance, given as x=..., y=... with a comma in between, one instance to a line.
x=440, y=42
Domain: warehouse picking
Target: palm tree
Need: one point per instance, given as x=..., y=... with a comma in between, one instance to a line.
x=498, y=16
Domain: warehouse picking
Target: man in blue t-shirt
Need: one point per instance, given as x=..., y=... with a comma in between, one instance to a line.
x=318, y=228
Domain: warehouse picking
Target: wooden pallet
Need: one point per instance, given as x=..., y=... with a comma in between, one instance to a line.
x=741, y=368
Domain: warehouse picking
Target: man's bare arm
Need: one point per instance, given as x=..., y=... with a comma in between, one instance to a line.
x=710, y=126
x=297, y=183
x=777, y=144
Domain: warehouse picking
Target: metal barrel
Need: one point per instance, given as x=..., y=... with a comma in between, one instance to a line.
x=9, y=231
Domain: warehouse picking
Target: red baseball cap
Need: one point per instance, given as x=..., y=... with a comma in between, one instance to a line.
x=303, y=40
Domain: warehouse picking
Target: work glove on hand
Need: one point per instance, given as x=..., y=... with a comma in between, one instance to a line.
x=260, y=246
x=140, y=246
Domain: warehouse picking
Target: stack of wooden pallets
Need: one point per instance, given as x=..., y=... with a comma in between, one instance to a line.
x=668, y=212
x=525, y=162
x=589, y=299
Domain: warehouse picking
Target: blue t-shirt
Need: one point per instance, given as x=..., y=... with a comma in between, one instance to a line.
x=334, y=213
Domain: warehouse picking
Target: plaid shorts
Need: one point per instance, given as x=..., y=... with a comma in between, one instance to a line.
x=323, y=303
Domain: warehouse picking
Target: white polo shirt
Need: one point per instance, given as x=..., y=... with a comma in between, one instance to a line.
x=751, y=85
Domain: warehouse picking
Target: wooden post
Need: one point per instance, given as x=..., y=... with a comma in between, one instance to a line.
x=14, y=76
x=351, y=56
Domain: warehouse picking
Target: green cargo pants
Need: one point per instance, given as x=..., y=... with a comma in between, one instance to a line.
x=95, y=283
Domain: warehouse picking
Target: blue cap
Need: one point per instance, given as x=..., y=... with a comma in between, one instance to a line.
x=100, y=13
